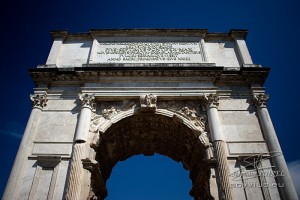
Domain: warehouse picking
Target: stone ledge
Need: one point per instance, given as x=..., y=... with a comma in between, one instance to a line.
x=80, y=75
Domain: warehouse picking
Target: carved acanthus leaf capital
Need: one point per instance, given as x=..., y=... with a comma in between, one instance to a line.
x=260, y=100
x=212, y=99
x=148, y=102
x=87, y=100
x=38, y=100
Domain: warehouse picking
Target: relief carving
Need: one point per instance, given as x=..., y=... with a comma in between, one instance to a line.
x=38, y=100
x=109, y=112
x=98, y=188
x=191, y=114
x=148, y=103
x=87, y=100
x=212, y=99
x=261, y=100
x=191, y=110
x=209, y=155
x=105, y=111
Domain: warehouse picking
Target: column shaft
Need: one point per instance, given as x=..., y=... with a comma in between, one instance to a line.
x=214, y=124
x=225, y=192
x=74, y=185
x=76, y=171
x=288, y=192
x=223, y=170
x=83, y=125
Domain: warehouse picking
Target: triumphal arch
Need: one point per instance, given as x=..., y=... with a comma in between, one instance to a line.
x=106, y=95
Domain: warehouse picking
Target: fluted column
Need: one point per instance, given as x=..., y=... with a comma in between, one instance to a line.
x=288, y=191
x=14, y=182
x=219, y=146
x=79, y=149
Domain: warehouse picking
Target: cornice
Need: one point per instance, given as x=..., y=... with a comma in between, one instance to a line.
x=93, y=74
x=92, y=33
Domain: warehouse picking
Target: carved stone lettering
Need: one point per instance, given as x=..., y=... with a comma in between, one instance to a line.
x=150, y=52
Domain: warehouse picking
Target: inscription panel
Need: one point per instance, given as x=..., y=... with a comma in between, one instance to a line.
x=149, y=52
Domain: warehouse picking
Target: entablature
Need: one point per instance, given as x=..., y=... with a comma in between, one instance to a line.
x=148, y=73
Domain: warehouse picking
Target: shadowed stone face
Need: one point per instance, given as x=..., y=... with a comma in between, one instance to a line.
x=147, y=133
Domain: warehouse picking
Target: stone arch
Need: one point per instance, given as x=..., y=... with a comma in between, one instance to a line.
x=168, y=133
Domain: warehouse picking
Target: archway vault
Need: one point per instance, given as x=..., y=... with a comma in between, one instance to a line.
x=164, y=132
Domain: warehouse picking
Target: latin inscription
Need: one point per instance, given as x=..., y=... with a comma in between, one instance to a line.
x=151, y=52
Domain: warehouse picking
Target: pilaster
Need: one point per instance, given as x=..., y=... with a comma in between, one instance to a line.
x=239, y=38
x=58, y=38
x=12, y=189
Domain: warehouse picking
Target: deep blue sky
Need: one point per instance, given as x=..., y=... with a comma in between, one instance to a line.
x=272, y=40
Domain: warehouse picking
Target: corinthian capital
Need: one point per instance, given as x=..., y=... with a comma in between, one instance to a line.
x=260, y=100
x=212, y=99
x=87, y=100
x=38, y=100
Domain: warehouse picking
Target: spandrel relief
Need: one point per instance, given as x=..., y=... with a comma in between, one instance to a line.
x=190, y=110
x=105, y=111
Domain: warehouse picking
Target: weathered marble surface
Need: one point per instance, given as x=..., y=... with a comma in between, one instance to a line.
x=75, y=50
x=91, y=110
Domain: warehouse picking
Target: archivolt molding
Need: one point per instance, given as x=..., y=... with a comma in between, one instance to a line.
x=190, y=113
x=146, y=125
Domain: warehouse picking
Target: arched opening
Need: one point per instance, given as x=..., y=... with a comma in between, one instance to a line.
x=151, y=177
x=149, y=133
